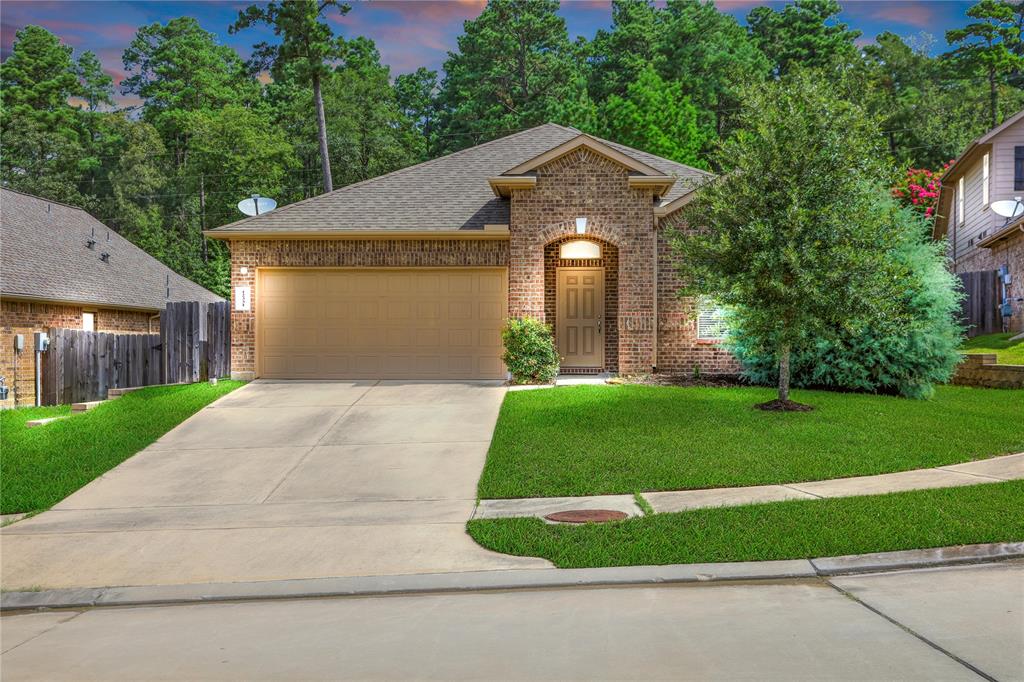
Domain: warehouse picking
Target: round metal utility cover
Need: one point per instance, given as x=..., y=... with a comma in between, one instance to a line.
x=586, y=516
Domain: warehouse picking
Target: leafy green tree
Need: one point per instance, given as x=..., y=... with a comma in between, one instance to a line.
x=515, y=68
x=416, y=96
x=795, y=238
x=656, y=117
x=986, y=47
x=177, y=68
x=95, y=86
x=803, y=33
x=711, y=57
x=307, y=45
x=869, y=357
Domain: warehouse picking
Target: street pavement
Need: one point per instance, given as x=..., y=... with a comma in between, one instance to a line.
x=960, y=623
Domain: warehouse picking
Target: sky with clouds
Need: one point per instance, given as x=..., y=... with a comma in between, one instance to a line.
x=409, y=33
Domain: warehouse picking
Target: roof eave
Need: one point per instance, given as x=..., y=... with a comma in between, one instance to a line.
x=489, y=232
x=1005, y=233
x=10, y=296
x=503, y=185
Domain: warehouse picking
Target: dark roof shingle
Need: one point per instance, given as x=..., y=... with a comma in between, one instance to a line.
x=444, y=194
x=43, y=255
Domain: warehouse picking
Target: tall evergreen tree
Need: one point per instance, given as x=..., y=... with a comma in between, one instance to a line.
x=656, y=117
x=711, y=57
x=987, y=47
x=307, y=46
x=515, y=68
x=95, y=86
x=617, y=56
x=416, y=96
x=803, y=33
x=178, y=68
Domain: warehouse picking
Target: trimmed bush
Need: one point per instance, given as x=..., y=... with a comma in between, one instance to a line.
x=873, y=355
x=530, y=353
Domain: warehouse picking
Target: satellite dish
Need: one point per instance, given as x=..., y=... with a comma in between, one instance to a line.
x=1011, y=208
x=257, y=205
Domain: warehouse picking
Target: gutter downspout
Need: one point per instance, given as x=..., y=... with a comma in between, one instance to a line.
x=654, y=350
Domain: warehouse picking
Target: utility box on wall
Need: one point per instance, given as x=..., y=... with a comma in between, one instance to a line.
x=42, y=341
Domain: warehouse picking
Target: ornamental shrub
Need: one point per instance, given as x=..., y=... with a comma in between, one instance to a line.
x=905, y=359
x=530, y=353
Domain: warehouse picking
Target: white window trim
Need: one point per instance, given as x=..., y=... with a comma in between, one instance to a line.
x=92, y=319
x=984, y=180
x=960, y=201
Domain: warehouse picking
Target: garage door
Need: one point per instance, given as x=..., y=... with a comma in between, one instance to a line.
x=390, y=324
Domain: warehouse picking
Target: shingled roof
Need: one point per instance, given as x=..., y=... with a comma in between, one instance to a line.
x=450, y=193
x=43, y=256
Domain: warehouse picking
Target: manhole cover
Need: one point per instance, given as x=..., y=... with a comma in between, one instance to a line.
x=586, y=516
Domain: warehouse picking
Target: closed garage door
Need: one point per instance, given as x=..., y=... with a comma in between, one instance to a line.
x=375, y=323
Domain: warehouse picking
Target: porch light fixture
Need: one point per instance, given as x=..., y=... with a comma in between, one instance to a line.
x=581, y=226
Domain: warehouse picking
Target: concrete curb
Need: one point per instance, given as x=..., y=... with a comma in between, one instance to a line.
x=508, y=579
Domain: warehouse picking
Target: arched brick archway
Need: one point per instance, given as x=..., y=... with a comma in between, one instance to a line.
x=610, y=262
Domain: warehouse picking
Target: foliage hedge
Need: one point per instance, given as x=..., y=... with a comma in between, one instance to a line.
x=530, y=353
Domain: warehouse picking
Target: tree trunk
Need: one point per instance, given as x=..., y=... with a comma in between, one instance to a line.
x=321, y=124
x=784, y=372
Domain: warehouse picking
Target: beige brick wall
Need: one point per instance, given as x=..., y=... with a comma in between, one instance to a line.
x=24, y=317
x=381, y=253
x=1008, y=252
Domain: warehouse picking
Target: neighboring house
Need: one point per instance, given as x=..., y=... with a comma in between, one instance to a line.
x=990, y=169
x=410, y=275
x=60, y=267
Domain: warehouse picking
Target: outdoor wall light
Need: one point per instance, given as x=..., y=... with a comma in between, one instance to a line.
x=581, y=225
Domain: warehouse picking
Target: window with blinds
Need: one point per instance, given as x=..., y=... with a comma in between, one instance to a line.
x=711, y=321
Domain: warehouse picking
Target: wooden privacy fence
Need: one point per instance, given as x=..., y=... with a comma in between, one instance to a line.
x=979, y=310
x=81, y=365
x=194, y=344
x=196, y=340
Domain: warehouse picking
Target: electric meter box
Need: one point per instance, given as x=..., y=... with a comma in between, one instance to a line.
x=42, y=341
x=19, y=343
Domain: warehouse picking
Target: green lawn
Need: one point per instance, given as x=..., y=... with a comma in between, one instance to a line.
x=779, y=530
x=589, y=440
x=1007, y=352
x=42, y=466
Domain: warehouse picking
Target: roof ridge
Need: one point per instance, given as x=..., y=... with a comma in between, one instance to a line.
x=51, y=201
x=393, y=173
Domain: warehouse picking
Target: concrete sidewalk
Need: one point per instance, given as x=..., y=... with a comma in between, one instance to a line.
x=938, y=624
x=993, y=470
x=280, y=480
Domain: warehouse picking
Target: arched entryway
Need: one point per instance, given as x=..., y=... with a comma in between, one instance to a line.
x=576, y=266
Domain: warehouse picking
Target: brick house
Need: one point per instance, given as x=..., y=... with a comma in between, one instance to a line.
x=990, y=169
x=60, y=267
x=411, y=274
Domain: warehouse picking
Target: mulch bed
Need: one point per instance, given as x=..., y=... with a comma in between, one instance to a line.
x=685, y=379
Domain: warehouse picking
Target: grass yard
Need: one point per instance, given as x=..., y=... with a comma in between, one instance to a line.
x=800, y=529
x=590, y=440
x=42, y=466
x=1007, y=352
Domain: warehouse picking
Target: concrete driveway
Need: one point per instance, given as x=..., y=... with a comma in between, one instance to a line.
x=280, y=480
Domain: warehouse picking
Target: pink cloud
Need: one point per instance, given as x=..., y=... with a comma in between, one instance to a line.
x=918, y=14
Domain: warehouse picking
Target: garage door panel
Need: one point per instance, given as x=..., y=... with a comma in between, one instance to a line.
x=365, y=324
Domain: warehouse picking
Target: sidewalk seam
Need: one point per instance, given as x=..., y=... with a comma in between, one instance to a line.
x=878, y=612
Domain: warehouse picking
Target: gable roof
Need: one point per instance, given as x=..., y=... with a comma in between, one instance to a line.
x=450, y=194
x=43, y=256
x=963, y=162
